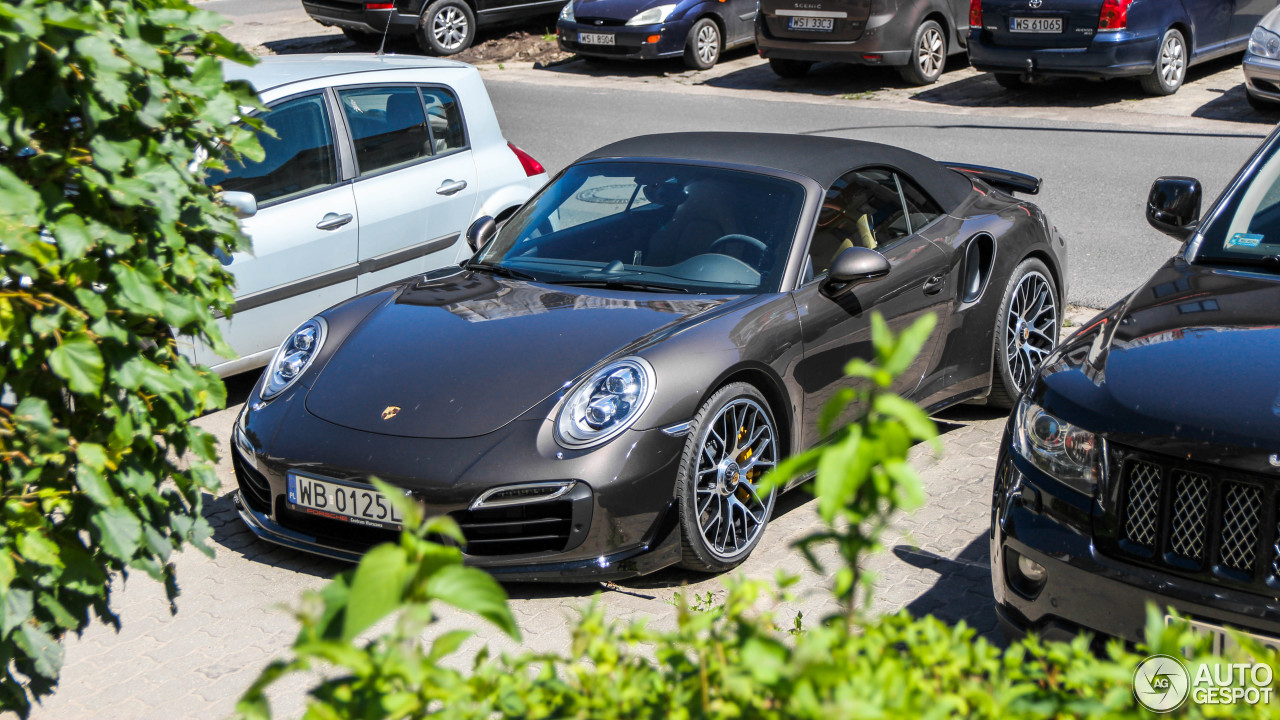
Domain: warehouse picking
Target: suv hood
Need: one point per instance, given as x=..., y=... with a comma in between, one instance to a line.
x=1187, y=361
x=464, y=355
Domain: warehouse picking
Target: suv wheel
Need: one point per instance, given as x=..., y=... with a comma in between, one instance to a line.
x=1171, y=65
x=702, y=49
x=447, y=27
x=928, y=55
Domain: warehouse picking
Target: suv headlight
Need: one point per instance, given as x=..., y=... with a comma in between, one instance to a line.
x=566, y=13
x=294, y=357
x=1264, y=43
x=1071, y=455
x=606, y=403
x=653, y=15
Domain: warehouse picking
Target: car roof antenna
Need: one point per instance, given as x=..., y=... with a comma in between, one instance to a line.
x=382, y=45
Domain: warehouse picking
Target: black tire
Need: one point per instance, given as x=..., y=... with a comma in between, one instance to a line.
x=447, y=27
x=705, y=497
x=362, y=38
x=1261, y=104
x=1010, y=81
x=703, y=45
x=928, y=55
x=1171, y=65
x=1020, y=349
x=789, y=69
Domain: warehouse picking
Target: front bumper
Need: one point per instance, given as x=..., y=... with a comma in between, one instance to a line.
x=356, y=17
x=630, y=42
x=1037, y=517
x=1109, y=55
x=870, y=49
x=1262, y=77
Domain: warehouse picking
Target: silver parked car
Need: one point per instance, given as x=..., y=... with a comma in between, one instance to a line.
x=1262, y=64
x=378, y=165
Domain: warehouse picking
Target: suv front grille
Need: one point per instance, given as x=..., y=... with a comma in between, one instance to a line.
x=1209, y=523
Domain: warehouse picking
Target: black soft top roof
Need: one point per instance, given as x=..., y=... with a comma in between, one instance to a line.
x=824, y=159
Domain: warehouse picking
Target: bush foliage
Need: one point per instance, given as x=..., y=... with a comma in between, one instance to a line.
x=106, y=253
x=733, y=659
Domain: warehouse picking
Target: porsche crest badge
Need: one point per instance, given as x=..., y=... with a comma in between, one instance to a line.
x=390, y=412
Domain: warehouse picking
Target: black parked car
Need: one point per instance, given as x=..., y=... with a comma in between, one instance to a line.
x=1143, y=464
x=440, y=27
x=916, y=36
x=598, y=390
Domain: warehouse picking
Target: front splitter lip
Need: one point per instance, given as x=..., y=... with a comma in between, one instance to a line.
x=657, y=554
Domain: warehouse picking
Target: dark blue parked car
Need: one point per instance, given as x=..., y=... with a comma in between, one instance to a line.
x=1153, y=40
x=698, y=30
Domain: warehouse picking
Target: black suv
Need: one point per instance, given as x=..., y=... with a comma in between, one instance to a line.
x=441, y=27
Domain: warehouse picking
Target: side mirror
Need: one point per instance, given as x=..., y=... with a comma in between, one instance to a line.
x=480, y=232
x=245, y=204
x=1173, y=207
x=853, y=267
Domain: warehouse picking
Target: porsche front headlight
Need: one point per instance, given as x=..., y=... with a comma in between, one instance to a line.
x=294, y=357
x=1264, y=43
x=606, y=403
x=653, y=15
x=1069, y=454
x=566, y=13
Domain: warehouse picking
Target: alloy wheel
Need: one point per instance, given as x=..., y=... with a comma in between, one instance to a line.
x=1173, y=60
x=930, y=53
x=740, y=447
x=708, y=43
x=449, y=26
x=1031, y=329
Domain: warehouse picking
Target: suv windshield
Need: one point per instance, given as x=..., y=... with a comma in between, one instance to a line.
x=654, y=226
x=1246, y=231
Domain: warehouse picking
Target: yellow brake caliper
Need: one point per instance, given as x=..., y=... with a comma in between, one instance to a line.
x=741, y=492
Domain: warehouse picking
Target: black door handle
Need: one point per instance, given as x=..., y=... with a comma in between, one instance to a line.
x=933, y=285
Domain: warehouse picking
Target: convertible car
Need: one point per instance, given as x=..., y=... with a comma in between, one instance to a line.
x=597, y=391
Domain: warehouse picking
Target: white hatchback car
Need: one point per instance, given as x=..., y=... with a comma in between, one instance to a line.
x=379, y=165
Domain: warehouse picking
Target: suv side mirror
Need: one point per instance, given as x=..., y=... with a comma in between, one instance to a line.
x=853, y=267
x=244, y=204
x=480, y=232
x=1173, y=207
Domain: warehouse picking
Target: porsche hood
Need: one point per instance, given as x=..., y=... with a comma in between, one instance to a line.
x=464, y=355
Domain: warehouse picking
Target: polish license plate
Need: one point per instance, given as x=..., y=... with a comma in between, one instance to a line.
x=346, y=502
x=596, y=38
x=1035, y=25
x=811, y=23
x=1222, y=641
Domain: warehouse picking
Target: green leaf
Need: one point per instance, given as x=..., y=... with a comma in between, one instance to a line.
x=35, y=547
x=119, y=531
x=909, y=344
x=34, y=411
x=447, y=644
x=78, y=361
x=377, y=588
x=41, y=649
x=472, y=590
x=920, y=425
x=15, y=609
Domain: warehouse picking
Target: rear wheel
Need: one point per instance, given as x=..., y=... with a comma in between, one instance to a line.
x=702, y=48
x=732, y=445
x=789, y=68
x=1026, y=330
x=1010, y=81
x=446, y=27
x=1171, y=65
x=928, y=55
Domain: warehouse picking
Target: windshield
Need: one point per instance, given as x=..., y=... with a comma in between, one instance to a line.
x=1246, y=231
x=657, y=226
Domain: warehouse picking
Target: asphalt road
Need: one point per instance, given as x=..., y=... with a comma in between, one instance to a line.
x=1096, y=175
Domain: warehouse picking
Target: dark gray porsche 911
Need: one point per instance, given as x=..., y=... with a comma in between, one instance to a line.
x=597, y=391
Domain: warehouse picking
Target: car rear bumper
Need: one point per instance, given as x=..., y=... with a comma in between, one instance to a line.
x=355, y=17
x=630, y=42
x=878, y=49
x=1121, y=54
x=1084, y=590
x=1262, y=77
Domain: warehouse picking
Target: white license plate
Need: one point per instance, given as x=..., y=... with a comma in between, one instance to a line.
x=809, y=23
x=595, y=38
x=356, y=504
x=1035, y=25
x=1222, y=642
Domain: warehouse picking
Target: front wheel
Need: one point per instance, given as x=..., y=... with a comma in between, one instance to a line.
x=928, y=55
x=1171, y=65
x=447, y=27
x=1026, y=330
x=723, y=514
x=702, y=48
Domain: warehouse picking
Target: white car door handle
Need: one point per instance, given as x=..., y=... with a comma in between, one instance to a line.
x=333, y=221
x=449, y=187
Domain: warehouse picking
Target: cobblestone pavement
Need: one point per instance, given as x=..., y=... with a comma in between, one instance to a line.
x=232, y=619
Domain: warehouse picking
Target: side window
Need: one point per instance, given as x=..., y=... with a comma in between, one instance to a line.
x=299, y=158
x=922, y=208
x=448, y=132
x=862, y=208
x=388, y=126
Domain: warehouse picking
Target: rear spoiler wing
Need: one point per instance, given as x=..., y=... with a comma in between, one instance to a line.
x=1006, y=180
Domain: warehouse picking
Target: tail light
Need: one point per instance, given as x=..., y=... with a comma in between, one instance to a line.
x=1115, y=15
x=531, y=167
x=379, y=6
x=975, y=13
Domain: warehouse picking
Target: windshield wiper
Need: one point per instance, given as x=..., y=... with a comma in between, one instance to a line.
x=500, y=270
x=641, y=285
